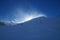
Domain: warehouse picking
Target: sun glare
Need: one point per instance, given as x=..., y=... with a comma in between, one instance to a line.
x=28, y=18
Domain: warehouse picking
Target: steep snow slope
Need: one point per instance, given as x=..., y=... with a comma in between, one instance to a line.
x=36, y=29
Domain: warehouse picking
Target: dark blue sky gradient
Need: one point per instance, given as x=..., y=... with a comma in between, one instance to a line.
x=48, y=7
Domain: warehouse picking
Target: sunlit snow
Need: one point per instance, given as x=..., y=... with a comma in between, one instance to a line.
x=30, y=17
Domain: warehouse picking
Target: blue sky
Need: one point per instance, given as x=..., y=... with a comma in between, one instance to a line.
x=49, y=7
